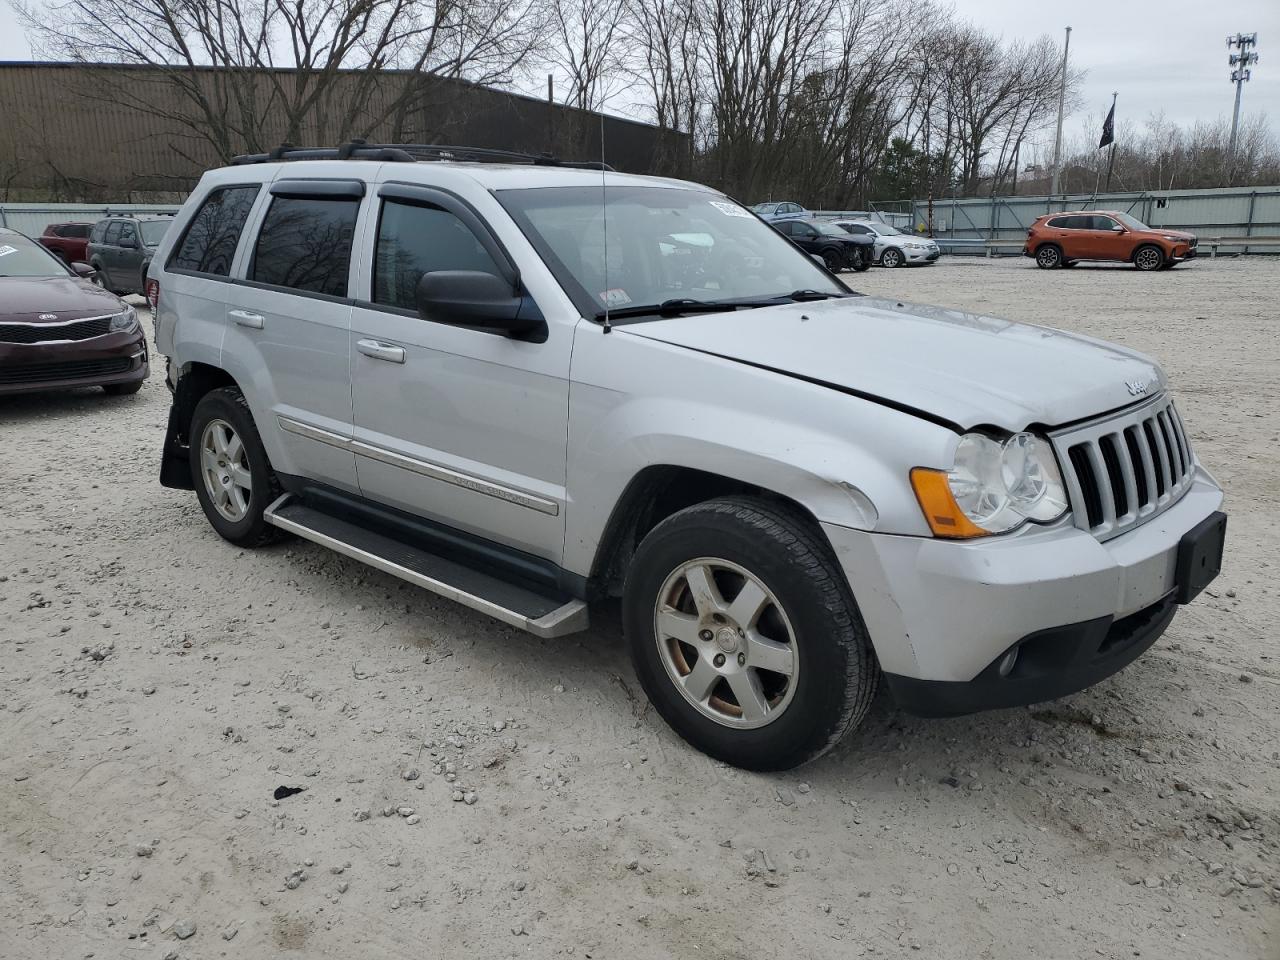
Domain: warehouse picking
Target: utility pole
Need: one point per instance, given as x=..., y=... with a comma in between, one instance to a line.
x=1240, y=61
x=1062, y=100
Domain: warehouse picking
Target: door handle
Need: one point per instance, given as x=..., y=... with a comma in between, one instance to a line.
x=246, y=319
x=381, y=351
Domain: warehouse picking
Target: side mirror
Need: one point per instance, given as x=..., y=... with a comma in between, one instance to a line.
x=1117, y=229
x=473, y=298
x=82, y=269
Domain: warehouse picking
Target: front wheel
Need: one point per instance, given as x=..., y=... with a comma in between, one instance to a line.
x=891, y=258
x=1148, y=258
x=862, y=260
x=833, y=259
x=232, y=475
x=745, y=635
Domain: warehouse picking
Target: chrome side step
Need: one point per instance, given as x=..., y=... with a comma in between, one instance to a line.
x=541, y=615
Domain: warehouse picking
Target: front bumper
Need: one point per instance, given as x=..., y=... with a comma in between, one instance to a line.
x=945, y=613
x=100, y=361
x=922, y=256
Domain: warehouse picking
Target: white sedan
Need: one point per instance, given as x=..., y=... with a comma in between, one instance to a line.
x=893, y=248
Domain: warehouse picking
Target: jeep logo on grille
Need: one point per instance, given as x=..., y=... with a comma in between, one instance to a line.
x=1138, y=387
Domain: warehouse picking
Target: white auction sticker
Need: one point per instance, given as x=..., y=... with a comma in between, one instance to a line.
x=616, y=297
x=6, y=250
x=730, y=209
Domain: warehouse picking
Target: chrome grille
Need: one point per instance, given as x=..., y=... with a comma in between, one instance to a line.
x=1125, y=469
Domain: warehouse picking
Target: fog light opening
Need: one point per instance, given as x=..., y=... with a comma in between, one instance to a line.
x=1007, y=662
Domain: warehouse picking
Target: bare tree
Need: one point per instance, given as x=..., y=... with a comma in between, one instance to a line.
x=664, y=39
x=281, y=68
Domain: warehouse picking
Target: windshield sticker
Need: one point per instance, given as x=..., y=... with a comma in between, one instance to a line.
x=617, y=297
x=6, y=250
x=732, y=209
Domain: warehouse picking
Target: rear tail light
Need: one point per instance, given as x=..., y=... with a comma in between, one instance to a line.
x=153, y=294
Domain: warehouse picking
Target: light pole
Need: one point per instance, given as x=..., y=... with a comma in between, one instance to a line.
x=1062, y=100
x=1240, y=61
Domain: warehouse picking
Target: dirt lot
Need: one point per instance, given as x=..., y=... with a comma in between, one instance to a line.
x=157, y=685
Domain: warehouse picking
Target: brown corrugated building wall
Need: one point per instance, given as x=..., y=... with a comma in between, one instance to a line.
x=72, y=132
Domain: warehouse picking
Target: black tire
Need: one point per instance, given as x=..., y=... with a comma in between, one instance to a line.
x=1049, y=256
x=892, y=258
x=122, y=389
x=251, y=530
x=1148, y=258
x=837, y=672
x=833, y=257
x=100, y=276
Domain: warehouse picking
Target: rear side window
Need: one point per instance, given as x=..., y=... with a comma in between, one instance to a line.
x=415, y=239
x=210, y=242
x=98, y=232
x=112, y=236
x=305, y=244
x=74, y=230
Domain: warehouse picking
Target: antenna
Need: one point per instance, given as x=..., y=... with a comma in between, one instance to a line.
x=604, y=211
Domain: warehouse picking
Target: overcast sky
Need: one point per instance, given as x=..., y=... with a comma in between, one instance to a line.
x=1169, y=55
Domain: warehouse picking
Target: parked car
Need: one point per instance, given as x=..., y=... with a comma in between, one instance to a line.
x=69, y=241
x=121, y=248
x=893, y=248
x=59, y=329
x=468, y=376
x=1063, y=240
x=778, y=210
x=838, y=249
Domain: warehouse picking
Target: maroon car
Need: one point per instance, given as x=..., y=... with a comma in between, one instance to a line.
x=59, y=329
x=69, y=241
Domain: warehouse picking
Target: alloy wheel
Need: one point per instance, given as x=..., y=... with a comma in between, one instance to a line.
x=1048, y=257
x=1148, y=258
x=224, y=466
x=726, y=643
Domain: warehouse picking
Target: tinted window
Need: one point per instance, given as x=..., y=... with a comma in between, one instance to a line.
x=74, y=230
x=857, y=228
x=784, y=228
x=112, y=236
x=211, y=238
x=128, y=234
x=413, y=240
x=305, y=243
x=1102, y=223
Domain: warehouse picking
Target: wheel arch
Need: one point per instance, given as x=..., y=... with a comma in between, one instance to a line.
x=195, y=380
x=652, y=495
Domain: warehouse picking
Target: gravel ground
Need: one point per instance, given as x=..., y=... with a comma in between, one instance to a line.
x=469, y=788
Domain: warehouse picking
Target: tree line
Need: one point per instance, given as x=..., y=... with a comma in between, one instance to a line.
x=830, y=102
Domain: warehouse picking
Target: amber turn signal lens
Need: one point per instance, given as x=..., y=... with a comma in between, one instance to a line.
x=943, y=514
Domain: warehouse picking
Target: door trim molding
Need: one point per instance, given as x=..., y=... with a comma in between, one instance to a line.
x=425, y=468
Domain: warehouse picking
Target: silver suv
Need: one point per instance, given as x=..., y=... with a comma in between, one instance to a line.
x=530, y=387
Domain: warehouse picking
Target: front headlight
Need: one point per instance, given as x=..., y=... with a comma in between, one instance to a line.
x=995, y=486
x=128, y=320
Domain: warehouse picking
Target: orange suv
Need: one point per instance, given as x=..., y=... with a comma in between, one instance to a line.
x=1064, y=239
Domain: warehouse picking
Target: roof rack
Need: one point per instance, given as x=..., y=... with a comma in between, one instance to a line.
x=413, y=152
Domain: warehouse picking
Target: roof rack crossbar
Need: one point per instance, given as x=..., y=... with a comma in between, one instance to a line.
x=412, y=152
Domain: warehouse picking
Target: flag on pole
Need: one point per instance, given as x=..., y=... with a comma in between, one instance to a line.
x=1108, y=127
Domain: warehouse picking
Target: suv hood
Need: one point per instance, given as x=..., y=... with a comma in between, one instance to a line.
x=963, y=369
x=24, y=299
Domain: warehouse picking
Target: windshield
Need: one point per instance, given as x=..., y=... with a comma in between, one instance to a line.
x=662, y=244
x=20, y=257
x=1133, y=223
x=886, y=231
x=153, y=231
x=831, y=230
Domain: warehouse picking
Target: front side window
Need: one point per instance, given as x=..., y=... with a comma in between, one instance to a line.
x=128, y=234
x=620, y=250
x=414, y=239
x=305, y=244
x=1102, y=223
x=1133, y=223
x=210, y=242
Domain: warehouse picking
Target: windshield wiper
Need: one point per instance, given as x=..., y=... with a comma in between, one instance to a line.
x=679, y=306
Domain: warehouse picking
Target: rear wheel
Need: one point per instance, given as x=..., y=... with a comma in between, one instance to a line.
x=232, y=475
x=1048, y=257
x=1149, y=257
x=891, y=258
x=745, y=636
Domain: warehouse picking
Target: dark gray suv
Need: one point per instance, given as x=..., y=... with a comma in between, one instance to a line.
x=121, y=248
